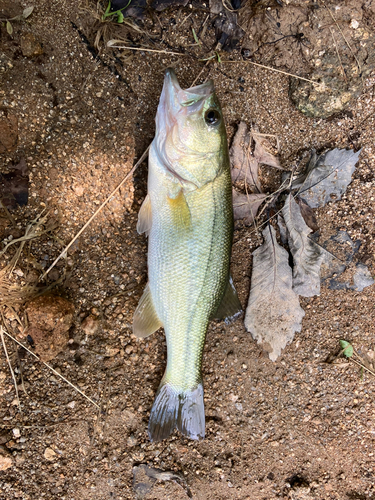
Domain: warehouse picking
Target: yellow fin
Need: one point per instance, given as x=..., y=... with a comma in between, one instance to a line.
x=180, y=211
x=145, y=217
x=145, y=320
x=230, y=306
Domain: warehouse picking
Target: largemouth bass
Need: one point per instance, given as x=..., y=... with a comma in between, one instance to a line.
x=188, y=217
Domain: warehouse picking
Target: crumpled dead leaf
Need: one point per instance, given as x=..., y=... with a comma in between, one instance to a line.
x=273, y=313
x=144, y=478
x=246, y=206
x=262, y=151
x=245, y=163
x=326, y=176
x=339, y=252
x=227, y=30
x=307, y=255
x=245, y=167
x=14, y=186
x=362, y=278
x=308, y=215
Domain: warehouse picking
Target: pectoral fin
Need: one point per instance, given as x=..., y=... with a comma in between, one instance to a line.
x=180, y=211
x=145, y=217
x=230, y=307
x=145, y=321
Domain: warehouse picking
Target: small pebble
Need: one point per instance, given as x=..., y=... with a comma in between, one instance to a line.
x=49, y=454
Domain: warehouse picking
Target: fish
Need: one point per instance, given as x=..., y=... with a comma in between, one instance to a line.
x=188, y=217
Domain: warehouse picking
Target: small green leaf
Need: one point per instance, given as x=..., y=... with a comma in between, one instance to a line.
x=26, y=13
x=347, y=347
x=218, y=57
x=120, y=17
x=9, y=28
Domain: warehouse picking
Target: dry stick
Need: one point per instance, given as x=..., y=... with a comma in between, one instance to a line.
x=143, y=49
x=362, y=366
x=48, y=366
x=277, y=71
x=338, y=55
x=10, y=366
x=96, y=212
x=201, y=71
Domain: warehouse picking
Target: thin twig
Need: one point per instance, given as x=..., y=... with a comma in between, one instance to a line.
x=338, y=55
x=186, y=18
x=279, y=399
x=50, y=367
x=362, y=366
x=111, y=43
x=144, y=155
x=277, y=71
x=10, y=365
x=201, y=71
x=29, y=234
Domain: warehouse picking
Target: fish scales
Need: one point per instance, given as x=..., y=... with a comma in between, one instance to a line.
x=173, y=255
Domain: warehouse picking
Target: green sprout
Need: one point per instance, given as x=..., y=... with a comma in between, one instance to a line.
x=196, y=37
x=25, y=14
x=347, y=348
x=118, y=13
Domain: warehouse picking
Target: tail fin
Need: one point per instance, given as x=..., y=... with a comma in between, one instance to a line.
x=173, y=409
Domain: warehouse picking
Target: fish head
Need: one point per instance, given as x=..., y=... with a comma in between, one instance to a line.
x=190, y=135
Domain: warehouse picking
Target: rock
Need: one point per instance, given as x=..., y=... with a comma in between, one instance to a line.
x=91, y=325
x=50, y=318
x=16, y=433
x=49, y=454
x=5, y=461
x=5, y=63
x=30, y=46
x=335, y=91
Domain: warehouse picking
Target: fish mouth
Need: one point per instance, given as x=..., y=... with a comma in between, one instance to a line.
x=186, y=97
x=174, y=99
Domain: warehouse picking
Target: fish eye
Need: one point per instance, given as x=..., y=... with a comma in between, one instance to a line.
x=212, y=116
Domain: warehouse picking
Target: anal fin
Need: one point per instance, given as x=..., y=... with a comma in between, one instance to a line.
x=145, y=320
x=230, y=306
x=145, y=216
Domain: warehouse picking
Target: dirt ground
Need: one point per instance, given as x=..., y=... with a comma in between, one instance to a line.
x=298, y=428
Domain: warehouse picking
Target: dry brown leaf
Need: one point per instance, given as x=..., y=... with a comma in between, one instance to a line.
x=273, y=313
x=307, y=255
x=262, y=151
x=308, y=215
x=328, y=176
x=246, y=206
x=244, y=165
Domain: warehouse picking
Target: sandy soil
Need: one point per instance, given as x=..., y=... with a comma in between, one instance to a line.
x=298, y=428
